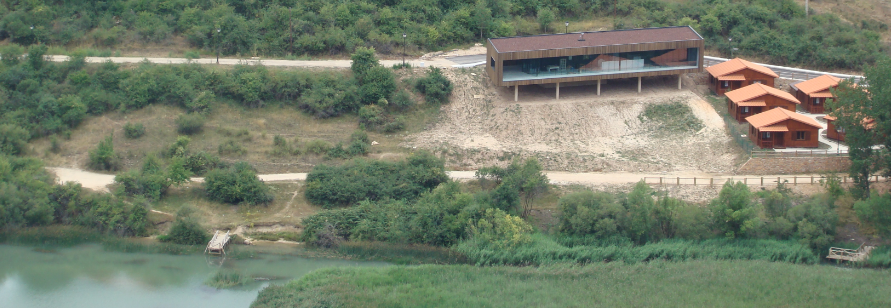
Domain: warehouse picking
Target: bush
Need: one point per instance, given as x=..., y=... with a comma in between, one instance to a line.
x=876, y=211
x=189, y=124
x=317, y=147
x=331, y=186
x=226, y=280
x=202, y=162
x=280, y=147
x=238, y=184
x=103, y=157
x=377, y=84
x=435, y=87
x=186, y=231
x=179, y=148
x=401, y=101
x=191, y=55
x=13, y=139
x=231, y=147
x=134, y=131
x=734, y=211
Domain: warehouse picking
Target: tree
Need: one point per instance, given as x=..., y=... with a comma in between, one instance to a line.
x=855, y=107
x=363, y=60
x=378, y=84
x=104, y=157
x=435, y=86
x=13, y=139
x=530, y=182
x=545, y=18
x=640, y=205
x=734, y=210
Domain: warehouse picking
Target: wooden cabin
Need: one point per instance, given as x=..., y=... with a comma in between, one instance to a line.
x=755, y=98
x=780, y=128
x=837, y=133
x=814, y=93
x=738, y=73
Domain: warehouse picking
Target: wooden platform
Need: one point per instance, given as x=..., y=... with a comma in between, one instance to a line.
x=858, y=255
x=217, y=245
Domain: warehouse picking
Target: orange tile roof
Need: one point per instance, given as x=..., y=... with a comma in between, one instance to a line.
x=733, y=77
x=755, y=103
x=823, y=94
x=753, y=91
x=817, y=84
x=778, y=115
x=775, y=128
x=736, y=65
x=829, y=118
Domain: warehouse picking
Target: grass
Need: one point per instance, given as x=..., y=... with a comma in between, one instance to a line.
x=226, y=280
x=673, y=117
x=275, y=236
x=400, y=253
x=658, y=284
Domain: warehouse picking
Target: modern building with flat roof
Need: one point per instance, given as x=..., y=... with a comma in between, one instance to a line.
x=594, y=56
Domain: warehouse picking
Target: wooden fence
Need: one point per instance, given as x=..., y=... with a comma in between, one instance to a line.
x=756, y=181
x=800, y=153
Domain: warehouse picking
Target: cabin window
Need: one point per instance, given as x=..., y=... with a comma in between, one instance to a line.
x=491, y=62
x=745, y=109
x=765, y=135
x=800, y=135
x=817, y=101
x=756, y=81
x=725, y=84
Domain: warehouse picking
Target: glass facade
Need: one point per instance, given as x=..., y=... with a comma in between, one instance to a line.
x=589, y=65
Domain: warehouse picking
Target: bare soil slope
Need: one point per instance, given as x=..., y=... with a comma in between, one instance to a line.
x=580, y=132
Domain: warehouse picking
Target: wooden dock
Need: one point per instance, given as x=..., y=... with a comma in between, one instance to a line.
x=858, y=255
x=217, y=245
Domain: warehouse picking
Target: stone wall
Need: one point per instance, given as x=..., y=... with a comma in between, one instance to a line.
x=794, y=165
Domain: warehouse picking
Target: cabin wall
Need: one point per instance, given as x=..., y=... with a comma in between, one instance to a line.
x=811, y=135
x=750, y=75
x=770, y=100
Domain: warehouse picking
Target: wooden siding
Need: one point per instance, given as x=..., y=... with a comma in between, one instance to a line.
x=769, y=100
x=750, y=75
x=833, y=133
x=787, y=139
x=497, y=74
x=807, y=102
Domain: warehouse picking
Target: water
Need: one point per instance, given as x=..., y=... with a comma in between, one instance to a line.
x=87, y=276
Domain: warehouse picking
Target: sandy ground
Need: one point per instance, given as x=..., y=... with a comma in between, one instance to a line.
x=581, y=132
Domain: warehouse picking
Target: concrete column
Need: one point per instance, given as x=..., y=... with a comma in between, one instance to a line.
x=598, y=86
x=558, y=90
x=638, y=84
x=516, y=92
x=679, y=82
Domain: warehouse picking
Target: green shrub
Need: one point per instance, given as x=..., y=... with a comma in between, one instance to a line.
x=191, y=55
x=13, y=139
x=317, y=147
x=150, y=182
x=734, y=211
x=186, y=231
x=337, y=151
x=202, y=162
x=179, y=148
x=331, y=186
x=231, y=147
x=377, y=84
x=435, y=87
x=401, y=101
x=238, y=184
x=134, y=131
x=189, y=124
x=103, y=157
x=876, y=211
x=280, y=147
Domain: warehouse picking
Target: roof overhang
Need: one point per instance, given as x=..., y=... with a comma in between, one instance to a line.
x=774, y=128
x=732, y=78
x=755, y=103
x=824, y=94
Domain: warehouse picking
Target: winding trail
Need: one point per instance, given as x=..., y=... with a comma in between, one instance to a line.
x=99, y=181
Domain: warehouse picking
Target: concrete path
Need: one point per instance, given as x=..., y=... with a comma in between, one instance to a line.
x=99, y=182
x=256, y=61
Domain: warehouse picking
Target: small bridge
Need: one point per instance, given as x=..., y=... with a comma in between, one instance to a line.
x=841, y=254
x=217, y=245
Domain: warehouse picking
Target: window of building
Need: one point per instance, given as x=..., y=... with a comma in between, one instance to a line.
x=491, y=62
x=765, y=135
x=725, y=84
x=817, y=101
x=756, y=81
x=800, y=135
x=745, y=109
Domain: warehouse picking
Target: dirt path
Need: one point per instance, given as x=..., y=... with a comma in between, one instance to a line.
x=438, y=62
x=98, y=181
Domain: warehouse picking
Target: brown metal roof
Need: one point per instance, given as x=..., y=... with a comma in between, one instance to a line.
x=777, y=115
x=736, y=65
x=817, y=84
x=594, y=39
x=753, y=91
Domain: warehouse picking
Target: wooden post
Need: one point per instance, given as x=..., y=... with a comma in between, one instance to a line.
x=711, y=182
x=679, y=181
x=795, y=180
x=762, y=181
x=812, y=179
x=778, y=181
x=660, y=181
x=598, y=86
x=844, y=179
x=516, y=92
x=877, y=179
x=694, y=181
x=679, y=82
x=638, y=84
x=746, y=181
x=558, y=90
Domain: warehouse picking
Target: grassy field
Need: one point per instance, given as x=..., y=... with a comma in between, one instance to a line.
x=658, y=284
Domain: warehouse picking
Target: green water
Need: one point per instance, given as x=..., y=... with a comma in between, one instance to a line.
x=87, y=276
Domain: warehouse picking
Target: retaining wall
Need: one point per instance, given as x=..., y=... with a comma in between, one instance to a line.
x=794, y=165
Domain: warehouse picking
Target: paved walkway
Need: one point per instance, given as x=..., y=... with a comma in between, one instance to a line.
x=255, y=61
x=834, y=146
